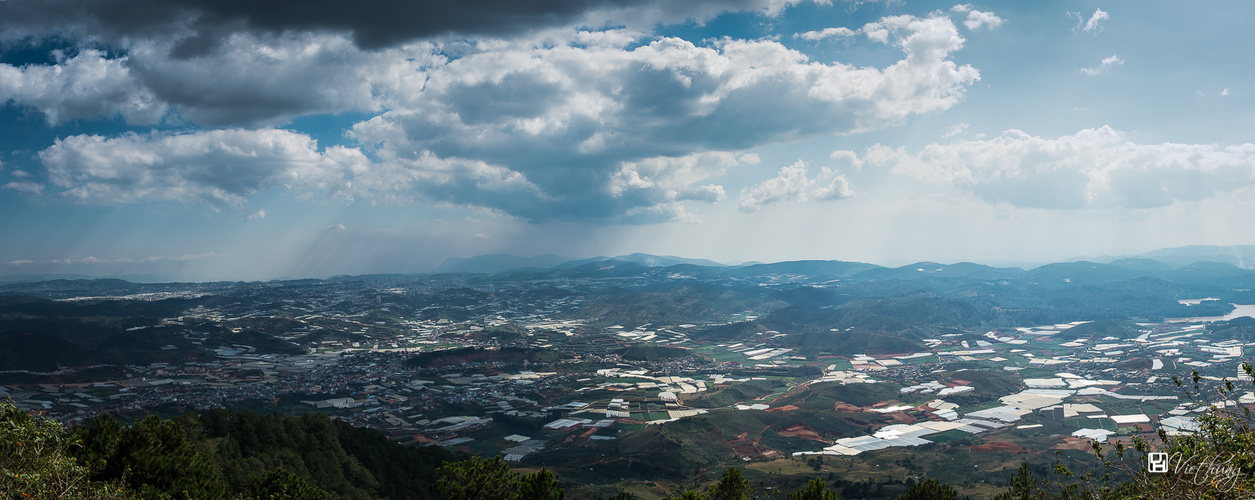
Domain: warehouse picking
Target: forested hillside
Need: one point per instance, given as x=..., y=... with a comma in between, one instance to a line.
x=220, y=454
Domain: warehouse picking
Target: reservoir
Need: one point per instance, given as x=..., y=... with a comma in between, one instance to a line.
x=1239, y=310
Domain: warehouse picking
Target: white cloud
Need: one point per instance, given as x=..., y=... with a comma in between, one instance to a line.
x=855, y=4
x=838, y=32
x=1094, y=168
x=549, y=126
x=218, y=167
x=246, y=79
x=880, y=31
x=955, y=130
x=222, y=168
x=260, y=214
x=568, y=117
x=664, y=179
x=87, y=85
x=28, y=187
x=977, y=19
x=1222, y=93
x=792, y=184
x=459, y=181
x=846, y=159
x=1103, y=66
x=1092, y=26
x=236, y=75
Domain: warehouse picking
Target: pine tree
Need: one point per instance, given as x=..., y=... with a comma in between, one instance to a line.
x=733, y=486
x=930, y=489
x=814, y=490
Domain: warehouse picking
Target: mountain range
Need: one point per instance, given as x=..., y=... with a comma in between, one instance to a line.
x=502, y=263
x=1164, y=260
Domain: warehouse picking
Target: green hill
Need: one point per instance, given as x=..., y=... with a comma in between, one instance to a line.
x=45, y=353
x=1101, y=328
x=220, y=454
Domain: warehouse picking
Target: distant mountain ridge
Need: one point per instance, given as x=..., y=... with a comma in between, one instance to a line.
x=646, y=260
x=504, y=263
x=1242, y=256
x=1189, y=264
x=498, y=263
x=808, y=267
x=1177, y=264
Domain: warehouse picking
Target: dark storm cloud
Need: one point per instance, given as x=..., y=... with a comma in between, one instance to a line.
x=374, y=24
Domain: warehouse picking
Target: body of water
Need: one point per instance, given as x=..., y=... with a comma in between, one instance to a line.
x=1239, y=310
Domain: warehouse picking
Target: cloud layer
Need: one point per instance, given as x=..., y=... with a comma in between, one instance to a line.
x=608, y=125
x=1094, y=168
x=87, y=85
x=570, y=117
x=217, y=167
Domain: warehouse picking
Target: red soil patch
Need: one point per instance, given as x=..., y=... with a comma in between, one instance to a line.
x=902, y=417
x=782, y=408
x=843, y=407
x=803, y=431
x=1005, y=447
x=745, y=449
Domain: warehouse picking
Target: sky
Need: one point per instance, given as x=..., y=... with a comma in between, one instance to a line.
x=237, y=140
